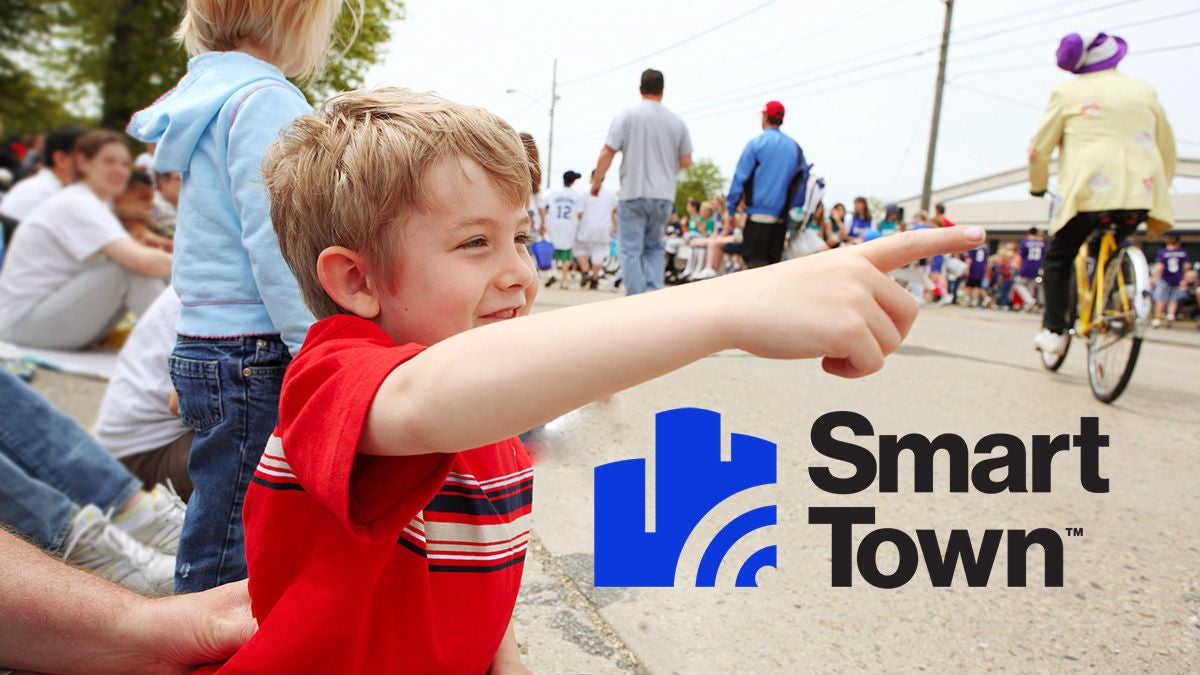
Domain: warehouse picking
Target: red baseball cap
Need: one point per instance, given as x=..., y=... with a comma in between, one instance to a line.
x=773, y=109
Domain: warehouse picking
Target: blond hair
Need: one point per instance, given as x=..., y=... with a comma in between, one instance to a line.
x=351, y=173
x=297, y=33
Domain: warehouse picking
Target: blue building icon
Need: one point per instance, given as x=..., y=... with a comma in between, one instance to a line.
x=690, y=479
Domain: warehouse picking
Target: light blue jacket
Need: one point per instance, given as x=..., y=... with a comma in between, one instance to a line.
x=214, y=128
x=763, y=173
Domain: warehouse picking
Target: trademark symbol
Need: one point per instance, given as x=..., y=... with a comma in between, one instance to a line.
x=1074, y=531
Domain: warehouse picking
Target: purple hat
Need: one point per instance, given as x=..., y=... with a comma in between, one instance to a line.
x=1080, y=54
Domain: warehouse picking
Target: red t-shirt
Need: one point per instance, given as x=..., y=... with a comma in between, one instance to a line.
x=365, y=564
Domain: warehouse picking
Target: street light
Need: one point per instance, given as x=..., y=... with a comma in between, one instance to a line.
x=553, y=101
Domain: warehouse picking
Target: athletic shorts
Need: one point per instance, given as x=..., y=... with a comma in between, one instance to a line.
x=562, y=254
x=594, y=251
x=974, y=283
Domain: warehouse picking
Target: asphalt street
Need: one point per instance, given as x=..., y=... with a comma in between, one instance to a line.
x=1130, y=594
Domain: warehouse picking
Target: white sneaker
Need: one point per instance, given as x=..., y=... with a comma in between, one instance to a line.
x=706, y=273
x=1050, y=343
x=96, y=544
x=157, y=521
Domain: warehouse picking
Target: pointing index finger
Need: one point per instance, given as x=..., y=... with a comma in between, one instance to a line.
x=888, y=253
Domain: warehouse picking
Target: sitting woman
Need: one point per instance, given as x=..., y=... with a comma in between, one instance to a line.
x=730, y=232
x=72, y=271
x=700, y=232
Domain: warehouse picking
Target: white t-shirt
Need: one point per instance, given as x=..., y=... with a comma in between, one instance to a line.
x=563, y=208
x=29, y=193
x=134, y=416
x=55, y=243
x=597, y=222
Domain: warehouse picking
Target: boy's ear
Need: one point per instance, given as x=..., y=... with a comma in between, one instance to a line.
x=344, y=276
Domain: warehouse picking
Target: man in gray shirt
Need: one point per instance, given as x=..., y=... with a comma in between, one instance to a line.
x=656, y=145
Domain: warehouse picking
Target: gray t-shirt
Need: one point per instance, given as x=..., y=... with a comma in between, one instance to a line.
x=652, y=139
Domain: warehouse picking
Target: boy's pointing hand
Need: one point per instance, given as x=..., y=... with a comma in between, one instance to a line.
x=840, y=305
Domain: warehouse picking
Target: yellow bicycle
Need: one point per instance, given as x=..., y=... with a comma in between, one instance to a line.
x=1111, y=310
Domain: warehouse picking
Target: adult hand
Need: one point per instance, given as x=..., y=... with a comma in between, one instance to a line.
x=838, y=304
x=597, y=181
x=173, y=634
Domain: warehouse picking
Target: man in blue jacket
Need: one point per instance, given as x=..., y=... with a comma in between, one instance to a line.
x=763, y=173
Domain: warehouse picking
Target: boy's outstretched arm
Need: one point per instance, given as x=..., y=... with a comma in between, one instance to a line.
x=496, y=381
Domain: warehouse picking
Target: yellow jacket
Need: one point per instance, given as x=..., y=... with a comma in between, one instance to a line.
x=1116, y=149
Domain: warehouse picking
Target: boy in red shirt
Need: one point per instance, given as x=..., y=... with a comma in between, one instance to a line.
x=386, y=524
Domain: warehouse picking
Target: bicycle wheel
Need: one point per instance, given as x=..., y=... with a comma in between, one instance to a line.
x=1053, y=362
x=1119, y=320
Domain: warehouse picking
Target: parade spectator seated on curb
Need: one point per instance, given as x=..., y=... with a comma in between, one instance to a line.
x=390, y=415
x=165, y=209
x=72, y=272
x=139, y=416
x=60, y=619
x=860, y=222
x=58, y=487
x=135, y=209
x=59, y=171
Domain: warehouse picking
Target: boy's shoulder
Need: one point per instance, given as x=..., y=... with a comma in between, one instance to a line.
x=341, y=353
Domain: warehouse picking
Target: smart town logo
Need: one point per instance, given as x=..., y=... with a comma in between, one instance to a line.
x=691, y=480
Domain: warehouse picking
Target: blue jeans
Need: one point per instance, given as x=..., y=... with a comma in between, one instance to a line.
x=640, y=225
x=229, y=393
x=50, y=466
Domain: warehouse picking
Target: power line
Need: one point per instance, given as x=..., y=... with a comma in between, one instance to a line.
x=771, y=86
x=1043, y=43
x=1019, y=15
x=739, y=106
x=1032, y=106
x=886, y=4
x=777, y=87
x=981, y=92
x=1166, y=49
x=1090, y=10
x=1042, y=64
x=669, y=47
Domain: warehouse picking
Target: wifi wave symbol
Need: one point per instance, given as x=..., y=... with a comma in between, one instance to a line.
x=732, y=543
x=697, y=515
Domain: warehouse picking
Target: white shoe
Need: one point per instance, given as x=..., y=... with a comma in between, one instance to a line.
x=706, y=273
x=1156, y=323
x=96, y=544
x=157, y=521
x=1050, y=343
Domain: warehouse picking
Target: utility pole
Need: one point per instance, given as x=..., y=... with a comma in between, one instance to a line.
x=550, y=142
x=927, y=188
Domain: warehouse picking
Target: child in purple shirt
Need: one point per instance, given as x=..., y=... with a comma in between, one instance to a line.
x=977, y=259
x=1167, y=279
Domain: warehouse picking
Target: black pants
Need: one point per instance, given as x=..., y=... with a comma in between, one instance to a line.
x=1058, y=264
x=762, y=243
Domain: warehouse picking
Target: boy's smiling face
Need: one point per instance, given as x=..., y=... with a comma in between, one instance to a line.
x=463, y=262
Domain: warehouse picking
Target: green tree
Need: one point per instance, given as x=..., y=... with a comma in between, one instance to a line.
x=122, y=54
x=25, y=104
x=700, y=180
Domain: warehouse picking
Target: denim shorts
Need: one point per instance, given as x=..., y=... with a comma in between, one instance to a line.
x=1164, y=292
x=229, y=394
